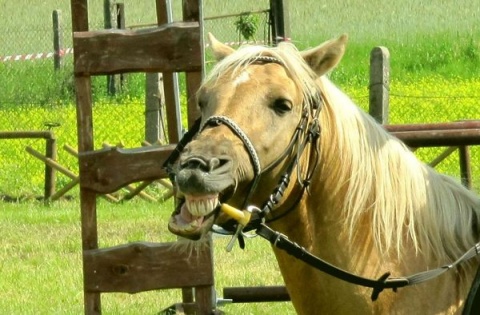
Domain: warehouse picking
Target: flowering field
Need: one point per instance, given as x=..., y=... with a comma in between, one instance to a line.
x=429, y=99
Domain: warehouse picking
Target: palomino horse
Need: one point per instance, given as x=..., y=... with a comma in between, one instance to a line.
x=349, y=193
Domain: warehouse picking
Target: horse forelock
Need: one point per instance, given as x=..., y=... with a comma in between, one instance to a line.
x=373, y=176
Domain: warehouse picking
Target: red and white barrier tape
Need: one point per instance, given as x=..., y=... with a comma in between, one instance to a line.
x=36, y=56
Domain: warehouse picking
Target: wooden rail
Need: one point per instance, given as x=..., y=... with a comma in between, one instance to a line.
x=438, y=135
x=256, y=294
x=172, y=48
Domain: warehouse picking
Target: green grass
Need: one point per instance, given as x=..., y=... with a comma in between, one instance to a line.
x=40, y=259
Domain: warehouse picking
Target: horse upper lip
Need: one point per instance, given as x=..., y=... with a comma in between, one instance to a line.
x=200, y=181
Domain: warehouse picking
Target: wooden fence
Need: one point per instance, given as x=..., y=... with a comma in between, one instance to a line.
x=454, y=135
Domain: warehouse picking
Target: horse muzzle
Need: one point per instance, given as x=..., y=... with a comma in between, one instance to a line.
x=201, y=183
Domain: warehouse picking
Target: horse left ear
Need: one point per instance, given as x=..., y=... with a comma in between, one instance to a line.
x=219, y=49
x=325, y=57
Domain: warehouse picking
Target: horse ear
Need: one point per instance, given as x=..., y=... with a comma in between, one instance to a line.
x=326, y=56
x=219, y=49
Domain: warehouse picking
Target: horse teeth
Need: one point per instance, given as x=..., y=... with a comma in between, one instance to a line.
x=193, y=207
x=201, y=207
x=212, y=203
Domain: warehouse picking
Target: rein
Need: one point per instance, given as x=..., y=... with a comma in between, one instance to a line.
x=384, y=282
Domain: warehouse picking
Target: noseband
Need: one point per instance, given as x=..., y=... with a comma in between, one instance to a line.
x=257, y=168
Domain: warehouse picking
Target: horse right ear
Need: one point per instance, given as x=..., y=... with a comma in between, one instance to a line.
x=326, y=56
x=219, y=49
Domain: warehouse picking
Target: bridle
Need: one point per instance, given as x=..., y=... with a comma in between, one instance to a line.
x=306, y=134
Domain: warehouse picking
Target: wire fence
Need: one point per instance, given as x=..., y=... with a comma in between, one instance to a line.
x=35, y=96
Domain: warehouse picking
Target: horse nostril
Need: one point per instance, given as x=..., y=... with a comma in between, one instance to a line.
x=195, y=163
x=205, y=165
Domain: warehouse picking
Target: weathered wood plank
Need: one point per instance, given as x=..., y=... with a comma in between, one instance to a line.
x=168, y=48
x=144, y=266
x=109, y=169
x=191, y=10
x=256, y=294
x=439, y=138
x=79, y=15
x=26, y=134
x=464, y=124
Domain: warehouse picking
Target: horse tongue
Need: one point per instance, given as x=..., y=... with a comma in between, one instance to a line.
x=185, y=217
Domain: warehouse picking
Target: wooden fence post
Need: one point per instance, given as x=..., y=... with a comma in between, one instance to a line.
x=465, y=166
x=120, y=20
x=114, y=18
x=170, y=81
x=154, y=107
x=379, y=84
x=57, y=39
x=50, y=152
x=280, y=21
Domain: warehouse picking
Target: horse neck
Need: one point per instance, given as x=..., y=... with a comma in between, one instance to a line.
x=373, y=182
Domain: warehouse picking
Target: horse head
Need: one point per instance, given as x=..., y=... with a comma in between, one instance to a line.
x=255, y=104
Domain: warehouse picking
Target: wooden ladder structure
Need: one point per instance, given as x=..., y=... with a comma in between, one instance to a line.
x=141, y=266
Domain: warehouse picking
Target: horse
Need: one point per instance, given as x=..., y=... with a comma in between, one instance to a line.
x=356, y=196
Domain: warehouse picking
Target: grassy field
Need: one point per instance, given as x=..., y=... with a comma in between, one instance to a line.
x=435, y=77
x=40, y=260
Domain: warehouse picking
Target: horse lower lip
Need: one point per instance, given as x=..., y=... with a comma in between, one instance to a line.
x=188, y=226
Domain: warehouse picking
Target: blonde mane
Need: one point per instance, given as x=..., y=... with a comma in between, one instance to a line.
x=377, y=176
x=374, y=175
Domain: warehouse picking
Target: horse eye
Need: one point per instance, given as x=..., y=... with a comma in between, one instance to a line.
x=281, y=106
